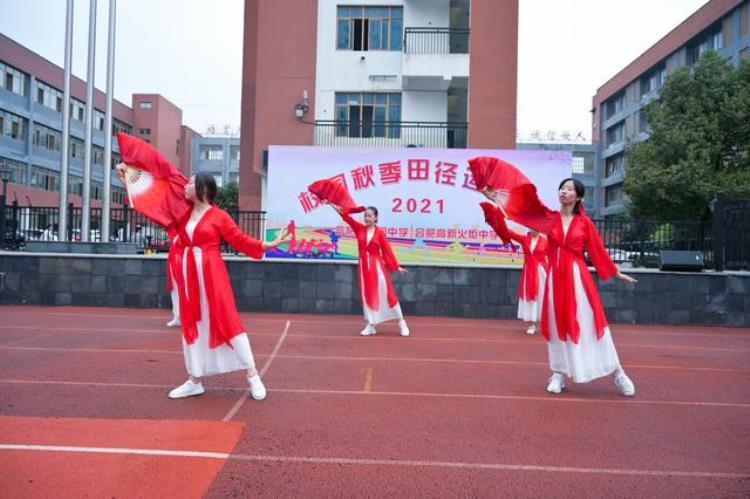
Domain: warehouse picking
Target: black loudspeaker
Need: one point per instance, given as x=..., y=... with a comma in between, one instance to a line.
x=690, y=261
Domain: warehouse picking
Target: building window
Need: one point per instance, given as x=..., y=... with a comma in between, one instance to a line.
x=219, y=180
x=616, y=133
x=712, y=39
x=614, y=195
x=653, y=80
x=234, y=177
x=13, y=80
x=145, y=104
x=369, y=28
x=43, y=178
x=119, y=126
x=579, y=165
x=118, y=195
x=96, y=190
x=75, y=185
x=48, y=96
x=46, y=138
x=614, y=165
x=365, y=115
x=144, y=131
x=211, y=153
x=76, y=148
x=77, y=110
x=98, y=120
x=234, y=153
x=16, y=169
x=97, y=155
x=615, y=104
x=643, y=126
x=12, y=126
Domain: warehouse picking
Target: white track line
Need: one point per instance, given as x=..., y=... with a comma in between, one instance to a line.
x=451, y=322
x=237, y=405
x=371, y=359
x=350, y=337
x=116, y=450
x=545, y=398
x=377, y=462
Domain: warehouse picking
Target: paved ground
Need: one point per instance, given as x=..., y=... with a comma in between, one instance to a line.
x=458, y=409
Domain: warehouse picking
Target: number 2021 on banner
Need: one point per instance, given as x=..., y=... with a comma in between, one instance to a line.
x=412, y=205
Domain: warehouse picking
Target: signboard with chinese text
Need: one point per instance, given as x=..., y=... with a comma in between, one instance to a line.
x=427, y=202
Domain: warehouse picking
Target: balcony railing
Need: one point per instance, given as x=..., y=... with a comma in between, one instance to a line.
x=436, y=41
x=364, y=133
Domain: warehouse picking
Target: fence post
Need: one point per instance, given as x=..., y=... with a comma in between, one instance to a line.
x=719, y=205
x=125, y=223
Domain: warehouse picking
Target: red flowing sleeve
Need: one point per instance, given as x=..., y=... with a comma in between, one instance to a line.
x=603, y=264
x=355, y=225
x=237, y=239
x=389, y=258
x=143, y=155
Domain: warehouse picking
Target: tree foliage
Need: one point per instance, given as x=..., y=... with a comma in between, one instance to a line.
x=699, y=142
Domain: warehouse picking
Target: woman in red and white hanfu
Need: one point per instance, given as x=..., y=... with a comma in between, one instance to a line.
x=214, y=340
x=579, y=340
x=534, y=273
x=376, y=263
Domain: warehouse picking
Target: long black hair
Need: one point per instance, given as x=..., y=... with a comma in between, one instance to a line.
x=205, y=187
x=580, y=191
x=374, y=211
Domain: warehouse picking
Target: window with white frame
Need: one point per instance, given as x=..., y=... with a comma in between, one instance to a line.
x=13, y=80
x=579, y=165
x=145, y=104
x=44, y=178
x=12, y=126
x=211, y=153
x=16, y=170
x=46, y=138
x=368, y=114
x=362, y=28
x=48, y=96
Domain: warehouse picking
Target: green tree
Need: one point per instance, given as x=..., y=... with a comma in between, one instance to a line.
x=228, y=197
x=699, y=143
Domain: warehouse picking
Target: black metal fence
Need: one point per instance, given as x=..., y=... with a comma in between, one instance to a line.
x=723, y=242
x=732, y=233
x=370, y=133
x=638, y=242
x=436, y=40
x=40, y=223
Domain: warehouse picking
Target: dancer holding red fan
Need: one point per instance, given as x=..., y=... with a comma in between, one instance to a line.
x=578, y=337
x=535, y=266
x=376, y=258
x=214, y=340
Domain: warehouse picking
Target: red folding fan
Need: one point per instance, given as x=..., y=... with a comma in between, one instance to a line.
x=335, y=191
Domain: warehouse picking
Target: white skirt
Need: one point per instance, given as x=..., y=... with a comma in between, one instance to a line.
x=531, y=311
x=200, y=360
x=591, y=358
x=384, y=312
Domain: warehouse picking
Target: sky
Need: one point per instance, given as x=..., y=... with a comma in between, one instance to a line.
x=190, y=51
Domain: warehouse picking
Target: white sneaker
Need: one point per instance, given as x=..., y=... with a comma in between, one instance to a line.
x=257, y=389
x=531, y=329
x=556, y=383
x=187, y=389
x=624, y=384
x=368, y=331
x=404, y=328
x=175, y=322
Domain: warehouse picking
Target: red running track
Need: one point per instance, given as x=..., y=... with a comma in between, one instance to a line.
x=458, y=409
